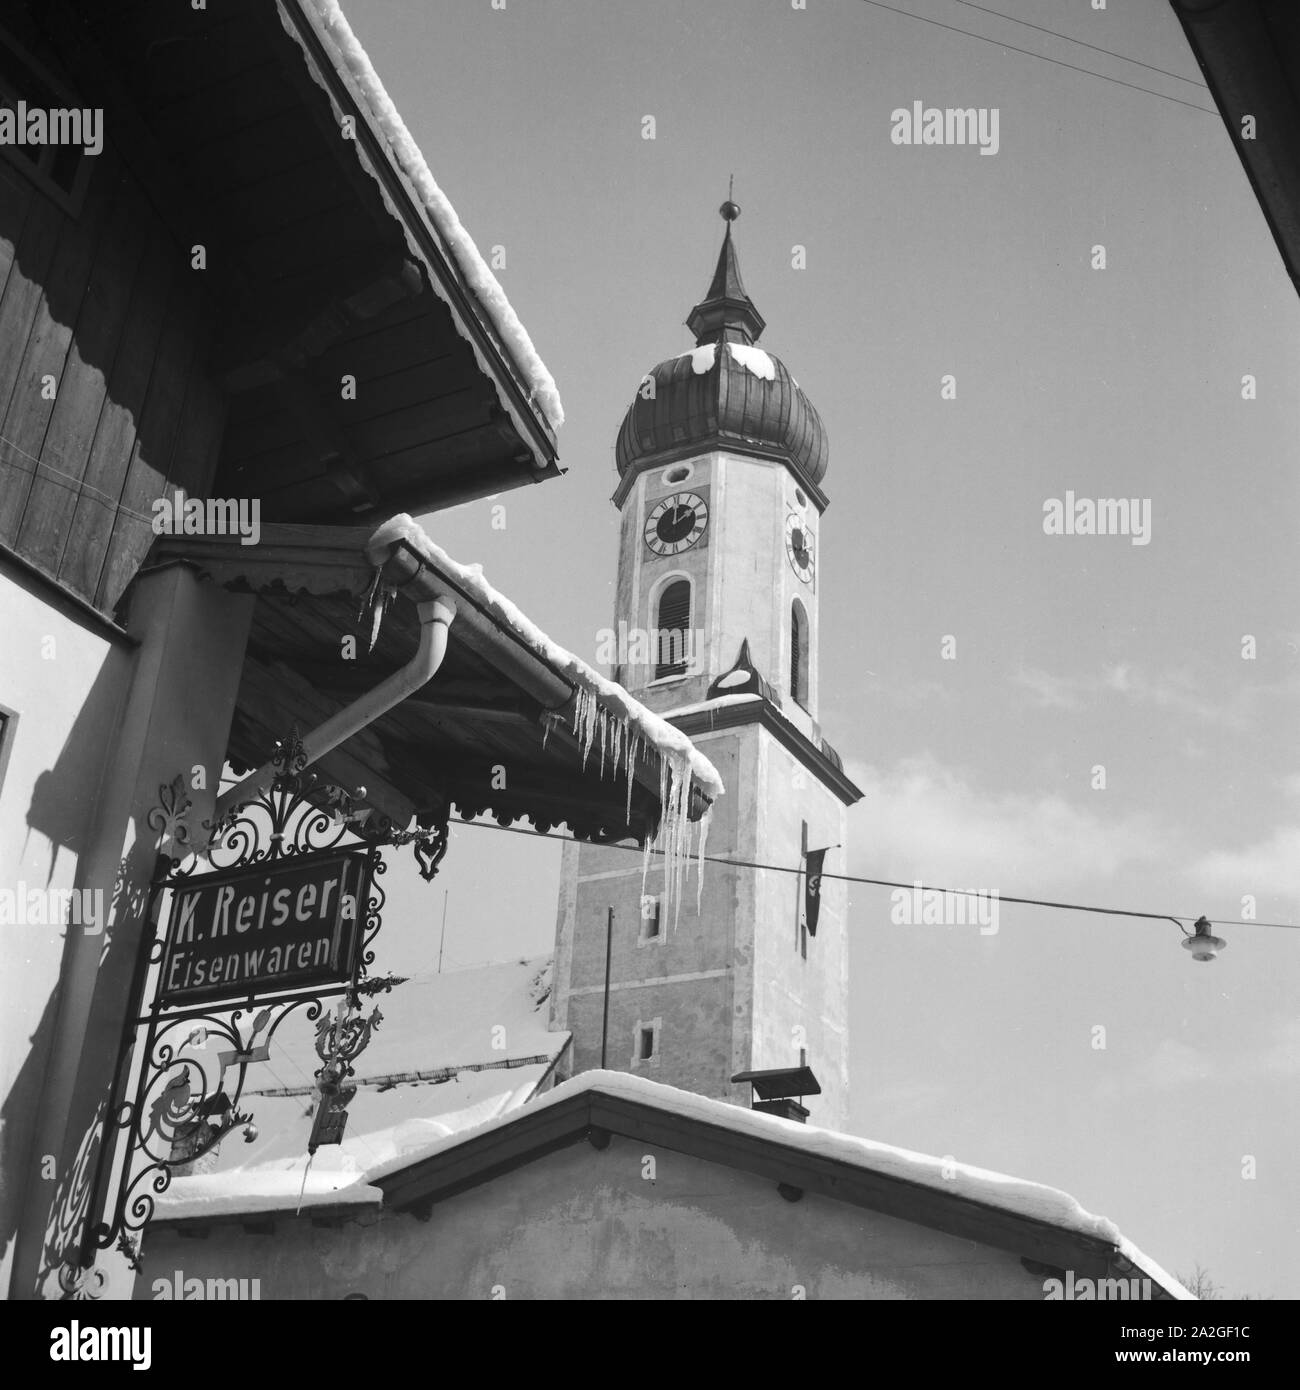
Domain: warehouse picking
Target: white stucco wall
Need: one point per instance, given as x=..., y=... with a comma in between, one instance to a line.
x=102, y=726
x=66, y=680
x=587, y=1224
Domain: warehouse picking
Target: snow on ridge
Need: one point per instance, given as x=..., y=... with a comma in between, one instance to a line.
x=276, y=1188
x=230, y=1194
x=412, y=163
x=717, y=702
x=1013, y=1195
x=1156, y=1272
x=672, y=745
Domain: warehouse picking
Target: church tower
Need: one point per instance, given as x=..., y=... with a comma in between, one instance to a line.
x=721, y=459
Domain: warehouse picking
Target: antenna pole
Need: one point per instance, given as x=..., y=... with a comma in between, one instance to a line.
x=604, y=1027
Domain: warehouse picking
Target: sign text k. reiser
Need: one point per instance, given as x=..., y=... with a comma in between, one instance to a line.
x=281, y=925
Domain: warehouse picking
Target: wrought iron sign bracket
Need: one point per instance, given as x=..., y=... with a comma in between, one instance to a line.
x=214, y=1009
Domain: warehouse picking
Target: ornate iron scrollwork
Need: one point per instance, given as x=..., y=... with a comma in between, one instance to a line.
x=429, y=845
x=182, y=1071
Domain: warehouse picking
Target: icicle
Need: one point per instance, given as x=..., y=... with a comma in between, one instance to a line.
x=634, y=745
x=616, y=748
x=645, y=861
x=703, y=832
x=622, y=745
x=303, y=1188
x=375, y=603
x=675, y=784
x=586, y=713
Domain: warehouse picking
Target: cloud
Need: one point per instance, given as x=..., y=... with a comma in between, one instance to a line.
x=907, y=1098
x=1274, y=1052
x=922, y=820
x=1271, y=866
x=1053, y=692
x=1181, y=692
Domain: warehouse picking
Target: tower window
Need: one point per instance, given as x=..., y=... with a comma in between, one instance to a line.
x=673, y=629
x=645, y=1044
x=651, y=908
x=677, y=475
x=799, y=653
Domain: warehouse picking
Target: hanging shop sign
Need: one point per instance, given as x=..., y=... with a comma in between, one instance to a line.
x=266, y=928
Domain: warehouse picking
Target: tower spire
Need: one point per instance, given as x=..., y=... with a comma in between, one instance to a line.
x=726, y=314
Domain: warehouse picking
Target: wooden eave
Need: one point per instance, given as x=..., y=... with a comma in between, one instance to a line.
x=321, y=262
x=494, y=703
x=1249, y=54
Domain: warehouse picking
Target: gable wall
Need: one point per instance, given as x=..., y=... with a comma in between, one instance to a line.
x=586, y=1224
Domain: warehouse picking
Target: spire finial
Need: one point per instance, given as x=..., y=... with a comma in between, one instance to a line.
x=726, y=314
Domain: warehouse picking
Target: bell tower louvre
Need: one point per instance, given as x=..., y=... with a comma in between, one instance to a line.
x=721, y=459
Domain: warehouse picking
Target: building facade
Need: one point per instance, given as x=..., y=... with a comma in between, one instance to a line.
x=242, y=334
x=721, y=460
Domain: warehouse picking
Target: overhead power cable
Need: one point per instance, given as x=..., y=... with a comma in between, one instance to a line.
x=1042, y=57
x=1179, y=918
x=1109, y=52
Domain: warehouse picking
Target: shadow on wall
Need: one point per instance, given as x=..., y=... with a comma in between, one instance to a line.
x=64, y=798
x=63, y=806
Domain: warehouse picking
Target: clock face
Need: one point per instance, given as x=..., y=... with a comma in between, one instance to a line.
x=799, y=547
x=676, y=523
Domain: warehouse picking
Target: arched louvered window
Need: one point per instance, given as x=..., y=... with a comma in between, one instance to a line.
x=799, y=653
x=673, y=629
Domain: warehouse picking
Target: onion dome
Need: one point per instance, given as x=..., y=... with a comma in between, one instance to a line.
x=725, y=393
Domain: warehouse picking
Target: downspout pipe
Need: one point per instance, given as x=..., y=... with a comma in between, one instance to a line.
x=436, y=616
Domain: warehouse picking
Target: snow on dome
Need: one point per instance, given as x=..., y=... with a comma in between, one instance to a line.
x=702, y=358
x=484, y=284
x=753, y=360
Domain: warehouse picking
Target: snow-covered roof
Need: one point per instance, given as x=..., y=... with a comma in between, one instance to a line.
x=1014, y=1196
x=483, y=1015
x=673, y=747
x=352, y=59
x=454, y=1050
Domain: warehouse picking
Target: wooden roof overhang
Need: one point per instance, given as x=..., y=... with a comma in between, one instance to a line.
x=1249, y=53
x=491, y=733
x=322, y=262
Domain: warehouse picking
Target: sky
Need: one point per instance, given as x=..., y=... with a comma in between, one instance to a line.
x=1082, y=1051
